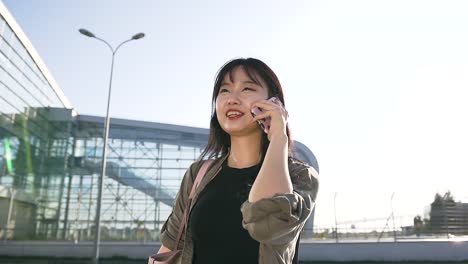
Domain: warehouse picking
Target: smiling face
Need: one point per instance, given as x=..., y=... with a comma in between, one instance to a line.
x=234, y=101
x=221, y=127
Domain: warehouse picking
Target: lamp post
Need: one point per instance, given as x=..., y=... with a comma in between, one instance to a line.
x=393, y=218
x=336, y=222
x=97, y=239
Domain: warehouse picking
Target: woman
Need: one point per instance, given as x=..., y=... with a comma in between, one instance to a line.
x=255, y=208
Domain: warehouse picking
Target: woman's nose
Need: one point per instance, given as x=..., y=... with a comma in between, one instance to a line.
x=233, y=99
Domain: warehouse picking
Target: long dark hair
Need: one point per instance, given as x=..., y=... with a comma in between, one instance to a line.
x=219, y=142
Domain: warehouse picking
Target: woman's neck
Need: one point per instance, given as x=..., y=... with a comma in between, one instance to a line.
x=244, y=152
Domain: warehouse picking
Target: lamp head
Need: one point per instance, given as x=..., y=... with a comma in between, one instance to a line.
x=138, y=36
x=86, y=33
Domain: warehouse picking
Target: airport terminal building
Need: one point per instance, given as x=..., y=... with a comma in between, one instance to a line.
x=50, y=158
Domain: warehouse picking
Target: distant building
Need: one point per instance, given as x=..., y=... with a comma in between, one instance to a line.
x=449, y=217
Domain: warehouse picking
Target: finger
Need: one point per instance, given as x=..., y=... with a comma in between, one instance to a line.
x=268, y=105
x=257, y=118
x=261, y=116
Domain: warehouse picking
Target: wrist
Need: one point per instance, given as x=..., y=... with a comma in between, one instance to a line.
x=281, y=137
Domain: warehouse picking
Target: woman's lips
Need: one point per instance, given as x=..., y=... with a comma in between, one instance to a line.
x=235, y=117
x=233, y=114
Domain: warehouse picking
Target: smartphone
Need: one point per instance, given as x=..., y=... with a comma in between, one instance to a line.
x=265, y=123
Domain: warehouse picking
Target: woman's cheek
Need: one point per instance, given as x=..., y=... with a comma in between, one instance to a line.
x=217, y=105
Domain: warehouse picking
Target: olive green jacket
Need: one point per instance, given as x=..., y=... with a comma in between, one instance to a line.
x=274, y=222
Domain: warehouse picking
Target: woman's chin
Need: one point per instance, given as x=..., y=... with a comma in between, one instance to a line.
x=241, y=131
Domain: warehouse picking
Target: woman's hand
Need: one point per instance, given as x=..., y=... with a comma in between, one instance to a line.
x=277, y=113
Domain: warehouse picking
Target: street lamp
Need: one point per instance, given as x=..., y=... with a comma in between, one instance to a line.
x=336, y=222
x=97, y=224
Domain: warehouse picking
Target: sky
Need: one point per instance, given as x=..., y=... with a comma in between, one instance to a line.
x=377, y=90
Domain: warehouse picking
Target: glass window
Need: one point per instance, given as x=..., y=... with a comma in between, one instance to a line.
x=2, y=27
x=5, y=106
x=25, y=70
x=6, y=32
x=19, y=90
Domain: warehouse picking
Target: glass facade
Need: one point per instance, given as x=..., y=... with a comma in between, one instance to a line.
x=31, y=143
x=51, y=159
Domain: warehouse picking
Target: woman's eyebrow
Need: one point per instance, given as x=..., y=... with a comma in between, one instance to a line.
x=251, y=82
x=244, y=82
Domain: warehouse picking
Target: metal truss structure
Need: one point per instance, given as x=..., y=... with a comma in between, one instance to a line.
x=146, y=163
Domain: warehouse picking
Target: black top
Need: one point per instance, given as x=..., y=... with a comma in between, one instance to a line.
x=216, y=219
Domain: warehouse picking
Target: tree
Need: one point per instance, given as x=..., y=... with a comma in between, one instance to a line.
x=439, y=199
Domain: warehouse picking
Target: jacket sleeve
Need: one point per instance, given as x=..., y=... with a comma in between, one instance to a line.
x=279, y=219
x=171, y=227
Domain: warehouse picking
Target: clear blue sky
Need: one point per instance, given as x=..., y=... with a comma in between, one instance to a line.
x=376, y=89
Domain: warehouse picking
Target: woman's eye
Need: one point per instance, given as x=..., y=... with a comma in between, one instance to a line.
x=223, y=90
x=248, y=88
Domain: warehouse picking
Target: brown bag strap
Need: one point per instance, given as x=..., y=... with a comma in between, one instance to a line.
x=200, y=175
